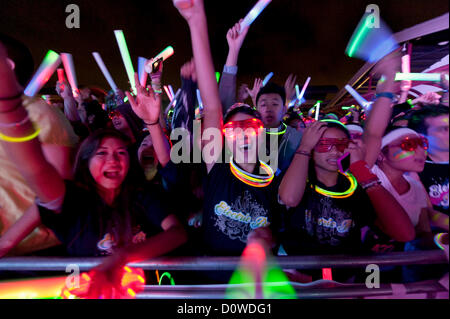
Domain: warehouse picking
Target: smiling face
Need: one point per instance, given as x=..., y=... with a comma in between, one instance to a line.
x=272, y=110
x=328, y=160
x=110, y=163
x=243, y=142
x=411, y=160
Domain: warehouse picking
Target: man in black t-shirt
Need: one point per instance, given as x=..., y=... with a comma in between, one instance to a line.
x=432, y=122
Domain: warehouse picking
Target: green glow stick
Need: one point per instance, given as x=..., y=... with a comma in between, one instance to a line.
x=359, y=38
x=426, y=77
x=126, y=57
x=218, y=76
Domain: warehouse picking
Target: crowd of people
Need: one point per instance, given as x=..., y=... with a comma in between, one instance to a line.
x=97, y=176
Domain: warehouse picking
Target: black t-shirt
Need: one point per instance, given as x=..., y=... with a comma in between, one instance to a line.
x=232, y=209
x=324, y=225
x=85, y=225
x=435, y=179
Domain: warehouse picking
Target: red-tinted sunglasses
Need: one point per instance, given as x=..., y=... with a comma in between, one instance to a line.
x=113, y=114
x=326, y=144
x=251, y=126
x=410, y=144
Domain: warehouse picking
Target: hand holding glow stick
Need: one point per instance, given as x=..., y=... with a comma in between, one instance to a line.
x=164, y=55
x=267, y=78
x=126, y=57
x=105, y=71
x=48, y=66
x=69, y=66
x=254, y=13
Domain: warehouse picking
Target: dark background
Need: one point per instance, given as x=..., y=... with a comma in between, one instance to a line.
x=307, y=38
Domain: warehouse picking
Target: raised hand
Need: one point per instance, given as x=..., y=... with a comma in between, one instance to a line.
x=63, y=89
x=147, y=104
x=234, y=38
x=243, y=93
x=357, y=151
x=187, y=71
x=311, y=136
x=289, y=87
x=190, y=10
x=429, y=98
x=254, y=91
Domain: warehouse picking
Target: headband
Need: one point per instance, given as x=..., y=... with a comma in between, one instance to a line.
x=392, y=136
x=353, y=127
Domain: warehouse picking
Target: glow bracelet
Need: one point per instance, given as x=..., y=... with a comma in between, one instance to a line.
x=105, y=71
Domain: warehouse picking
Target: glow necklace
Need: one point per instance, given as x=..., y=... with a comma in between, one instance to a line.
x=349, y=192
x=279, y=132
x=252, y=179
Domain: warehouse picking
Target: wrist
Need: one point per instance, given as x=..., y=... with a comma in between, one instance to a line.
x=151, y=123
x=362, y=172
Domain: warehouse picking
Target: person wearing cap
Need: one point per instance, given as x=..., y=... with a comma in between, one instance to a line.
x=355, y=130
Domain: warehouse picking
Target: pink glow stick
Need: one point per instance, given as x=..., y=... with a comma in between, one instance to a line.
x=69, y=67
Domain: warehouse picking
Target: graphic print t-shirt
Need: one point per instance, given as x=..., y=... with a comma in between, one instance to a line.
x=435, y=179
x=85, y=227
x=232, y=209
x=324, y=225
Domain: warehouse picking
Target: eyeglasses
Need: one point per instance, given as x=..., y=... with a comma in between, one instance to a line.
x=326, y=144
x=113, y=114
x=252, y=126
x=410, y=144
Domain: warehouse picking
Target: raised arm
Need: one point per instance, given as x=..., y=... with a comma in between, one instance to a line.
x=381, y=111
x=18, y=137
x=227, y=85
x=207, y=83
x=147, y=105
x=293, y=184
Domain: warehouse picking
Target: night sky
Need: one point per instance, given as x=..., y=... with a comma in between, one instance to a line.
x=307, y=38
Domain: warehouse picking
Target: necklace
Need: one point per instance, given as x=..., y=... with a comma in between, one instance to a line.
x=252, y=179
x=279, y=132
x=349, y=192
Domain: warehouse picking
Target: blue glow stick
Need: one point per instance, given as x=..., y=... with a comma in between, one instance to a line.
x=254, y=13
x=48, y=66
x=199, y=99
x=302, y=93
x=361, y=101
x=141, y=70
x=171, y=91
x=126, y=57
x=104, y=70
x=267, y=79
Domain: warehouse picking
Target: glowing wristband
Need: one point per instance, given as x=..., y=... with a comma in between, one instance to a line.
x=438, y=240
x=19, y=139
x=279, y=132
x=347, y=193
x=388, y=95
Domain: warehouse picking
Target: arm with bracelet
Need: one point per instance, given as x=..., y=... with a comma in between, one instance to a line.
x=19, y=138
x=381, y=111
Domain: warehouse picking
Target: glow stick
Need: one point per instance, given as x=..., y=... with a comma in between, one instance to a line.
x=199, y=99
x=69, y=66
x=267, y=78
x=141, y=71
x=254, y=13
x=166, y=89
x=164, y=54
x=32, y=288
x=61, y=77
x=171, y=91
x=44, y=72
x=302, y=93
x=316, y=116
x=218, y=76
x=297, y=91
x=105, y=71
x=126, y=57
x=361, y=101
x=406, y=64
x=426, y=77
x=326, y=274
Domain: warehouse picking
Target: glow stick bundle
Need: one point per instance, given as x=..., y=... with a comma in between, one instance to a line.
x=267, y=79
x=361, y=101
x=44, y=72
x=69, y=67
x=126, y=57
x=254, y=13
x=141, y=71
x=371, y=42
x=425, y=77
x=105, y=71
x=164, y=54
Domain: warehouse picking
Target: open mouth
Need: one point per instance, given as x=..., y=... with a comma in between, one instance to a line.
x=111, y=174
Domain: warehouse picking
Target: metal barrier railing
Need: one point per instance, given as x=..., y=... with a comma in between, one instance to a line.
x=229, y=263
